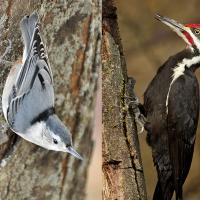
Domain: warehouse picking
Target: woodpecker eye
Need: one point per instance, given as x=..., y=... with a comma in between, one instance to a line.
x=55, y=141
x=197, y=31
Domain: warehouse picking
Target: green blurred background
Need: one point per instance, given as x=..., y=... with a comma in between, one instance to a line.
x=147, y=44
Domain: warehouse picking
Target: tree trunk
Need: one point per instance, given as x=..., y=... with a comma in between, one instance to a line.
x=72, y=32
x=122, y=168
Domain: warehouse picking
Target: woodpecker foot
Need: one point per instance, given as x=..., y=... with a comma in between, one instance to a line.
x=134, y=106
x=137, y=110
x=140, y=121
x=139, y=115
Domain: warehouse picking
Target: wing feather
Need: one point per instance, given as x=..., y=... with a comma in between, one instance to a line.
x=32, y=91
x=182, y=120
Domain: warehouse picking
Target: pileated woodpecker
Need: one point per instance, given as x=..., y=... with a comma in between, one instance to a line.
x=171, y=103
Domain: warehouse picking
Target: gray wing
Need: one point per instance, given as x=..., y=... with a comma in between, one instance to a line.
x=32, y=92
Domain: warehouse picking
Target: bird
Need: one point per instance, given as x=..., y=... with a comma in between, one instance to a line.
x=171, y=104
x=28, y=95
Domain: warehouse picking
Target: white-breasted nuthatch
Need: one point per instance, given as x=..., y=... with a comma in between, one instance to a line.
x=28, y=95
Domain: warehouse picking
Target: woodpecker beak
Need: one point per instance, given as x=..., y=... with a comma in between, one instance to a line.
x=174, y=25
x=179, y=28
x=73, y=152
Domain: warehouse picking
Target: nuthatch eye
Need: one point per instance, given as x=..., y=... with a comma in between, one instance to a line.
x=28, y=95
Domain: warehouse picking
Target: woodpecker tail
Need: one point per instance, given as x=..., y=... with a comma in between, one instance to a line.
x=158, y=192
x=28, y=26
x=179, y=194
x=165, y=194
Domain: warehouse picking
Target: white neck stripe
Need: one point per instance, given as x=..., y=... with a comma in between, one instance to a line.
x=179, y=71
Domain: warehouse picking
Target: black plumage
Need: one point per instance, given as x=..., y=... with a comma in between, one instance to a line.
x=171, y=128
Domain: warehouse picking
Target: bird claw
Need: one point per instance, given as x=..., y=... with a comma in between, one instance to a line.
x=140, y=121
x=139, y=117
x=133, y=103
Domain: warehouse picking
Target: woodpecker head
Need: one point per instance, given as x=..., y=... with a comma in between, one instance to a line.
x=189, y=32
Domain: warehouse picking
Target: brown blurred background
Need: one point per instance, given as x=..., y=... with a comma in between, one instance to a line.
x=94, y=181
x=147, y=44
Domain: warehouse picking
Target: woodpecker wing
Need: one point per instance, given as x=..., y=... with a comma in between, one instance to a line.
x=182, y=119
x=32, y=93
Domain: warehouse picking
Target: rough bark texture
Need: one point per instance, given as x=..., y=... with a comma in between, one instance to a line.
x=72, y=33
x=122, y=168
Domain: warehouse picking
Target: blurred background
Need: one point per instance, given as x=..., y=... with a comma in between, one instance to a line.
x=94, y=181
x=147, y=45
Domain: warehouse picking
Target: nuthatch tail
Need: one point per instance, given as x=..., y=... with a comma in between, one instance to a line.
x=28, y=95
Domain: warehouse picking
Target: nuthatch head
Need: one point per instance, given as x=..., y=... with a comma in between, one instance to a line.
x=28, y=95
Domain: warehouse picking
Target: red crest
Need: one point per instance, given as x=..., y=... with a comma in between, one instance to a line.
x=193, y=25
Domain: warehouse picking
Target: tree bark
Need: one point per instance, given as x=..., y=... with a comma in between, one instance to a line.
x=122, y=167
x=72, y=33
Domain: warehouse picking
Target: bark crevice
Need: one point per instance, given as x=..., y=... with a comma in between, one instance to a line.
x=122, y=167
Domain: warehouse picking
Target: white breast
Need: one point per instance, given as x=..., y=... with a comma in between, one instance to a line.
x=34, y=133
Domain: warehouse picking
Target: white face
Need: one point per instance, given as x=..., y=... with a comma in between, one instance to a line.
x=195, y=35
x=40, y=135
x=52, y=141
